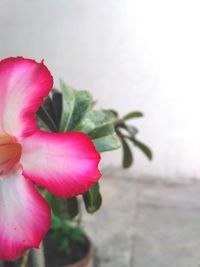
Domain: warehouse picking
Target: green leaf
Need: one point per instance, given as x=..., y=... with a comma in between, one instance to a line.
x=48, y=105
x=74, y=107
x=96, y=119
x=68, y=102
x=56, y=222
x=70, y=207
x=63, y=208
x=114, y=112
x=85, y=126
x=98, y=125
x=57, y=107
x=127, y=154
x=46, y=118
x=101, y=131
x=145, y=149
x=130, y=129
x=64, y=246
x=133, y=115
x=42, y=125
x=83, y=102
x=107, y=143
x=78, y=234
x=92, y=199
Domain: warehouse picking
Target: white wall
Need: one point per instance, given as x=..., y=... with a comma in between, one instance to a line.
x=132, y=54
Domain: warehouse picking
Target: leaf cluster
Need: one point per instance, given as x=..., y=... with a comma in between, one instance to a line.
x=66, y=111
x=128, y=135
x=64, y=233
x=71, y=110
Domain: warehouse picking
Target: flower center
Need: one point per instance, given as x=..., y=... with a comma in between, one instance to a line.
x=10, y=153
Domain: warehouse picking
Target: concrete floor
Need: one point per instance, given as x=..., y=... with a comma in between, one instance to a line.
x=146, y=223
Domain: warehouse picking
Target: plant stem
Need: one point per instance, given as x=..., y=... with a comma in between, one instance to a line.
x=118, y=122
x=37, y=256
x=25, y=260
x=79, y=218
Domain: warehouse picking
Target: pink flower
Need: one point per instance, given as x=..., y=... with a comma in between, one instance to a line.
x=65, y=164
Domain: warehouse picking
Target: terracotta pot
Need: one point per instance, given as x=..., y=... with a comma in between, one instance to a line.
x=87, y=261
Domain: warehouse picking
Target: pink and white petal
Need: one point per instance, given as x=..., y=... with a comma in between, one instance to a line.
x=23, y=85
x=65, y=164
x=24, y=216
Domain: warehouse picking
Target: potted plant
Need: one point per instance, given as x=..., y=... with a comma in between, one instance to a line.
x=69, y=110
x=72, y=110
x=67, y=244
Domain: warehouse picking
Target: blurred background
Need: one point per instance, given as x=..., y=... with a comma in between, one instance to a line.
x=132, y=55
